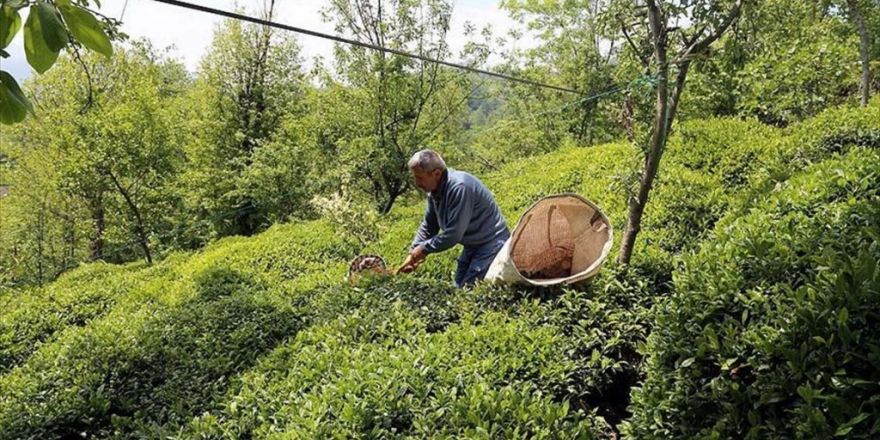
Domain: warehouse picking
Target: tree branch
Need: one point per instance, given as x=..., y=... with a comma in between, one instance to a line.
x=700, y=46
x=90, y=98
x=636, y=51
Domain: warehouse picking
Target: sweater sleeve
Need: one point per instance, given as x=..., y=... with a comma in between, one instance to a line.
x=427, y=229
x=461, y=209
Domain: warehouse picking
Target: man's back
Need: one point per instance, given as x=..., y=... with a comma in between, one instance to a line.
x=485, y=223
x=466, y=212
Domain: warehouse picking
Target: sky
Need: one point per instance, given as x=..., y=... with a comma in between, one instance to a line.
x=189, y=32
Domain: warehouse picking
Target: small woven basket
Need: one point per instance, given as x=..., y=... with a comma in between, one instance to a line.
x=365, y=264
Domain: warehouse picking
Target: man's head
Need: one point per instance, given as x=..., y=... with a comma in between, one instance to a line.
x=427, y=169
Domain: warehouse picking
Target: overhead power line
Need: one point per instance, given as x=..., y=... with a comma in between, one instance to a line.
x=352, y=42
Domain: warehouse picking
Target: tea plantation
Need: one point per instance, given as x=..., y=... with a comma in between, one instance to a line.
x=751, y=310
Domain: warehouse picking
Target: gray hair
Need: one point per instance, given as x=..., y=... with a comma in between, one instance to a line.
x=427, y=161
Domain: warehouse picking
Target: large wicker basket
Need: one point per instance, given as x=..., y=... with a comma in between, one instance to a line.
x=561, y=239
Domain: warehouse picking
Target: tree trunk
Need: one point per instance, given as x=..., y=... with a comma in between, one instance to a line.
x=70, y=238
x=41, y=236
x=665, y=109
x=588, y=120
x=658, y=146
x=136, y=213
x=98, y=220
x=389, y=203
x=864, y=47
x=658, y=137
x=394, y=189
x=680, y=79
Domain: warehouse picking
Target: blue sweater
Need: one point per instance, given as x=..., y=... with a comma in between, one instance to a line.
x=461, y=210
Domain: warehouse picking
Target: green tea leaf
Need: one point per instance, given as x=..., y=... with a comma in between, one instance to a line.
x=844, y=429
x=807, y=393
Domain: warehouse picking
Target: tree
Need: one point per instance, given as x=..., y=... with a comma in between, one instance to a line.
x=100, y=171
x=783, y=61
x=856, y=10
x=52, y=25
x=409, y=103
x=685, y=31
x=249, y=82
x=41, y=229
x=573, y=53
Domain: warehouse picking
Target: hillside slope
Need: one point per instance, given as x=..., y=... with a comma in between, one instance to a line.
x=257, y=337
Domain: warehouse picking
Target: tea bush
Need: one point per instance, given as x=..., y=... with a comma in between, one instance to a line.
x=381, y=370
x=75, y=300
x=602, y=324
x=748, y=271
x=833, y=131
x=141, y=365
x=772, y=330
x=153, y=358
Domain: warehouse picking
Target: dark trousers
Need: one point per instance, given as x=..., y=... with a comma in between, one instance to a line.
x=474, y=261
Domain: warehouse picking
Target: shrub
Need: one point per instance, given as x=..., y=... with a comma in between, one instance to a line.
x=377, y=371
x=260, y=337
x=767, y=331
x=141, y=365
x=32, y=318
x=171, y=345
x=833, y=131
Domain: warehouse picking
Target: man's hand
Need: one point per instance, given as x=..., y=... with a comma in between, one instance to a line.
x=413, y=260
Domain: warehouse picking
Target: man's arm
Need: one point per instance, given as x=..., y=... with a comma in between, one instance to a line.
x=461, y=209
x=427, y=229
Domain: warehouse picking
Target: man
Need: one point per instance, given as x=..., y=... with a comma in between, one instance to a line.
x=460, y=210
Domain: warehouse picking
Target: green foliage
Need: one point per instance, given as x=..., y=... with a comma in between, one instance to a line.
x=135, y=368
x=91, y=175
x=216, y=282
x=11, y=21
x=569, y=54
x=741, y=264
x=250, y=138
x=785, y=86
x=749, y=310
x=587, y=340
x=403, y=105
x=13, y=103
x=143, y=355
x=238, y=178
x=834, y=130
x=51, y=26
x=382, y=369
x=765, y=333
x=787, y=60
x=44, y=36
x=38, y=315
x=85, y=28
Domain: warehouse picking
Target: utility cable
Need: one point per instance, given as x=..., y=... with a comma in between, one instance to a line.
x=352, y=42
